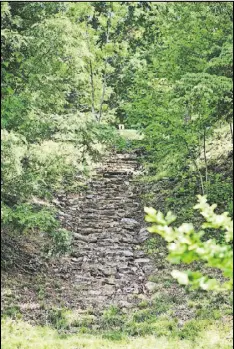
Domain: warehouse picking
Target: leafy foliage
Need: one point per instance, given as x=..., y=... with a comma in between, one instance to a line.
x=72, y=71
x=183, y=90
x=186, y=245
x=49, y=132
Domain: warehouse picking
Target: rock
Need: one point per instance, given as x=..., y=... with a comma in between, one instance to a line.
x=89, y=238
x=124, y=270
x=127, y=253
x=142, y=260
x=95, y=292
x=107, y=271
x=150, y=286
x=139, y=254
x=56, y=202
x=77, y=260
x=143, y=235
x=129, y=221
x=108, y=290
x=134, y=269
x=127, y=238
x=105, y=265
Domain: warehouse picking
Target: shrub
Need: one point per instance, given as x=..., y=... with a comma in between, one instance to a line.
x=185, y=245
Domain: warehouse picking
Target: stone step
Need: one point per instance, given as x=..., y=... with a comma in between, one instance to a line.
x=106, y=265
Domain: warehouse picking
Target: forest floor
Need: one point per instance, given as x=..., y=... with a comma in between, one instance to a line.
x=173, y=318
x=34, y=315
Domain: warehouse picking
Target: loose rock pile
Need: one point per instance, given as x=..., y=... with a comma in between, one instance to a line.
x=107, y=265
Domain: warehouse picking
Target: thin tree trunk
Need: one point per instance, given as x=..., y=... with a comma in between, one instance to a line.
x=92, y=88
x=103, y=92
x=199, y=143
x=200, y=176
x=197, y=168
x=204, y=149
x=91, y=78
x=105, y=73
x=231, y=129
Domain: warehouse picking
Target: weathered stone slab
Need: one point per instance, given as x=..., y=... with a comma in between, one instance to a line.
x=107, y=264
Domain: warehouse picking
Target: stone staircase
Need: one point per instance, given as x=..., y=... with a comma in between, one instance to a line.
x=107, y=265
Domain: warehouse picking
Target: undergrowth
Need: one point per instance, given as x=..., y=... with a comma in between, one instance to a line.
x=20, y=335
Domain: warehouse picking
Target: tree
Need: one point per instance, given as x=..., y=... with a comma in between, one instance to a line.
x=72, y=71
x=48, y=133
x=183, y=89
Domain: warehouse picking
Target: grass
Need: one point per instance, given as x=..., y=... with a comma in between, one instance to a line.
x=20, y=335
x=219, y=144
x=131, y=134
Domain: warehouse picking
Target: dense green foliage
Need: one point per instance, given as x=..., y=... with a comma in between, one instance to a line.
x=186, y=245
x=54, y=108
x=72, y=71
x=182, y=94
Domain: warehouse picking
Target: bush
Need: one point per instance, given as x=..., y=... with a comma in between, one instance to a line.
x=186, y=245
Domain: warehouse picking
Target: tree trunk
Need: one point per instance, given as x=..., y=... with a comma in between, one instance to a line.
x=91, y=78
x=92, y=88
x=103, y=92
x=200, y=177
x=231, y=129
x=105, y=67
x=199, y=144
x=204, y=149
x=197, y=168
